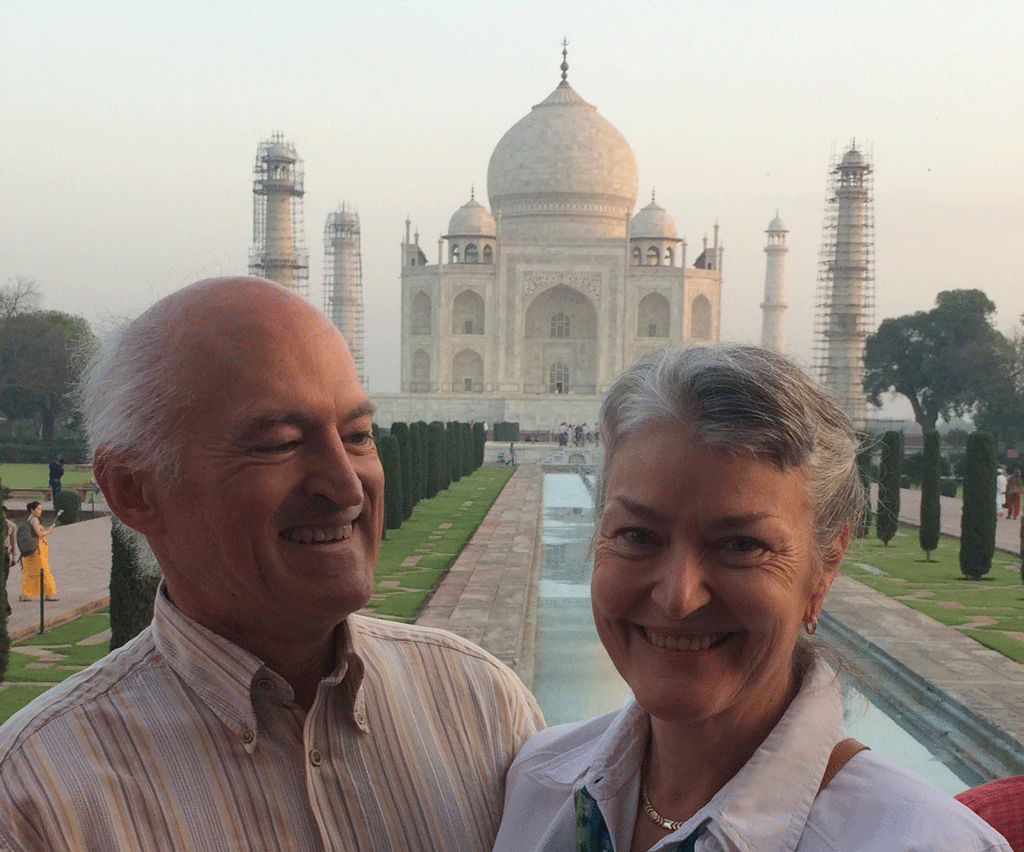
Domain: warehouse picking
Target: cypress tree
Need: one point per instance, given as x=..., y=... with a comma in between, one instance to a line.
x=454, y=456
x=134, y=578
x=435, y=455
x=401, y=432
x=978, y=522
x=422, y=429
x=468, y=450
x=5, y=635
x=479, y=440
x=391, y=461
x=415, y=463
x=891, y=468
x=865, y=455
x=931, y=514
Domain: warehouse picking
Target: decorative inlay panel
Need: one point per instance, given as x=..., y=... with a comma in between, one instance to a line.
x=585, y=282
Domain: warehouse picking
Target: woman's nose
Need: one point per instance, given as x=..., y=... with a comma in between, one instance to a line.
x=682, y=588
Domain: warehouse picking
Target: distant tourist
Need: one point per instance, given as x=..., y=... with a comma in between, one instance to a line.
x=729, y=491
x=1001, y=482
x=1014, y=486
x=10, y=550
x=35, y=563
x=56, y=474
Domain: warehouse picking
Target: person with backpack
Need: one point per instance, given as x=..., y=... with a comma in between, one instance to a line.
x=34, y=560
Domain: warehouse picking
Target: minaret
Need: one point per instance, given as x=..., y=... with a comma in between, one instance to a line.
x=277, y=251
x=343, y=282
x=845, y=297
x=773, y=308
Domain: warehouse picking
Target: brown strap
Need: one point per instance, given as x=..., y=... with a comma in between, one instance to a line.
x=842, y=752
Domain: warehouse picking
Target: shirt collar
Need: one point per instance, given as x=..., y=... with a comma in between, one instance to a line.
x=226, y=677
x=764, y=807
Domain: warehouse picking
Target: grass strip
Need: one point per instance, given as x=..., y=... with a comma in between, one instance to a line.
x=939, y=590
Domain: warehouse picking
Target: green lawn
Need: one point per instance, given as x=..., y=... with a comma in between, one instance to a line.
x=989, y=610
x=38, y=476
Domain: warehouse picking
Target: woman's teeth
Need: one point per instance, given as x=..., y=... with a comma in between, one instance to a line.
x=683, y=643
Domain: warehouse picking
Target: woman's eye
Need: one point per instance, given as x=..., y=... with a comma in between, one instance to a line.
x=638, y=536
x=742, y=548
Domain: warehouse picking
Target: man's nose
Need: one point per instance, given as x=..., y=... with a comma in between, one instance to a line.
x=333, y=475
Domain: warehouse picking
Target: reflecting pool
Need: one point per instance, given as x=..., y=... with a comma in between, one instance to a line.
x=574, y=677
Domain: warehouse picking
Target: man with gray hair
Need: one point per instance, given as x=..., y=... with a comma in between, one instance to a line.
x=257, y=711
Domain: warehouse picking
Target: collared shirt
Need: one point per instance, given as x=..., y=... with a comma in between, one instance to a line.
x=770, y=805
x=183, y=740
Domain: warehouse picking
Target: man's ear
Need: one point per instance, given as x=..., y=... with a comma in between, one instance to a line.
x=130, y=492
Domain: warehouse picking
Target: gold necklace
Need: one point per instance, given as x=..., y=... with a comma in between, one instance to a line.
x=667, y=824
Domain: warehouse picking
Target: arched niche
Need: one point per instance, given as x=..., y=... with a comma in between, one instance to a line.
x=421, y=313
x=468, y=313
x=564, y=310
x=468, y=372
x=701, y=326
x=419, y=372
x=652, y=316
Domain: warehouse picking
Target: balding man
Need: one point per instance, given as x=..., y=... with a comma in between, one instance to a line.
x=257, y=712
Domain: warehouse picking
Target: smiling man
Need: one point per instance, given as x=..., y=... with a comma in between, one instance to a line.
x=257, y=711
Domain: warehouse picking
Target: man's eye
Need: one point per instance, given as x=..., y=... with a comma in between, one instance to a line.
x=271, y=449
x=359, y=438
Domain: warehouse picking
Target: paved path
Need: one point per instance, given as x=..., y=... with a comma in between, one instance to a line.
x=1007, y=531
x=489, y=596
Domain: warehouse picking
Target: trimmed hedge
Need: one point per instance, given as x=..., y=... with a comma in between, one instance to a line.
x=132, y=587
x=931, y=510
x=479, y=441
x=889, y=477
x=978, y=522
x=506, y=431
x=70, y=504
x=391, y=461
x=436, y=481
x=401, y=432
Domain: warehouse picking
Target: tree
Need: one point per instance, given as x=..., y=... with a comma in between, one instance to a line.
x=39, y=364
x=978, y=522
x=18, y=296
x=865, y=453
x=436, y=481
x=891, y=464
x=479, y=443
x=401, y=432
x=931, y=508
x=944, y=361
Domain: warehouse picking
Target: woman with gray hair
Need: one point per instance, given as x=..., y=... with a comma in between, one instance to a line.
x=729, y=491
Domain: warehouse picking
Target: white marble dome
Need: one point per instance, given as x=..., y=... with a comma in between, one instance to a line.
x=777, y=225
x=562, y=170
x=472, y=219
x=653, y=222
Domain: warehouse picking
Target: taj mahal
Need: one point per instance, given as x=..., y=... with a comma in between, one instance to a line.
x=529, y=309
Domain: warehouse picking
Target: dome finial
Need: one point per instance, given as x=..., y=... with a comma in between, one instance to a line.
x=652, y=195
x=472, y=192
x=565, y=63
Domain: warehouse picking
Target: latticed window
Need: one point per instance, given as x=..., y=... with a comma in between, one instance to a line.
x=560, y=325
x=558, y=378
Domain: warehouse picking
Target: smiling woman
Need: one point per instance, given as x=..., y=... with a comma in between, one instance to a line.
x=729, y=490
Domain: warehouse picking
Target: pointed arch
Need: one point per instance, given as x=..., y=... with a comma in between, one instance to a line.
x=419, y=372
x=421, y=319
x=652, y=316
x=701, y=326
x=468, y=313
x=468, y=372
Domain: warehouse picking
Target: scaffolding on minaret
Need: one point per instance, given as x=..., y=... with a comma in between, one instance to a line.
x=278, y=251
x=845, y=297
x=343, y=282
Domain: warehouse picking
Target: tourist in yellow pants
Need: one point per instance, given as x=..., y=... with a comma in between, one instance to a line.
x=32, y=564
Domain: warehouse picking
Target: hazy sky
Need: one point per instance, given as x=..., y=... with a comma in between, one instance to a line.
x=129, y=133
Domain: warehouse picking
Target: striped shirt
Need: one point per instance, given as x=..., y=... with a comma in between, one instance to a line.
x=182, y=740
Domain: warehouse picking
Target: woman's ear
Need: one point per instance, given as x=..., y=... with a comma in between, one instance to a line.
x=832, y=558
x=130, y=492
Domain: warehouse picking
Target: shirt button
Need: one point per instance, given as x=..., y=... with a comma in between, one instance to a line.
x=713, y=845
x=248, y=735
x=315, y=757
x=360, y=718
x=266, y=685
